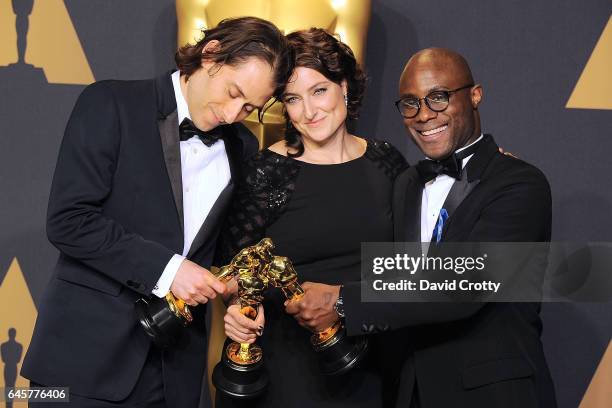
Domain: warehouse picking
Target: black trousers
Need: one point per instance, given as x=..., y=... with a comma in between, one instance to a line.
x=148, y=391
x=414, y=401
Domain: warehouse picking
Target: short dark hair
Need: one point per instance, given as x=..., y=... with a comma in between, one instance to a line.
x=319, y=50
x=239, y=39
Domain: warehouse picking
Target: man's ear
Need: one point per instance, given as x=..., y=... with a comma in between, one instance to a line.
x=476, y=95
x=211, y=47
x=208, y=63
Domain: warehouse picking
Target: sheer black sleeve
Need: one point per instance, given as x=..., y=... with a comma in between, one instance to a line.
x=265, y=187
x=266, y=184
x=386, y=157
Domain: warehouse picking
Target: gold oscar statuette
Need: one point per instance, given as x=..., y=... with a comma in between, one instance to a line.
x=241, y=373
x=163, y=318
x=337, y=353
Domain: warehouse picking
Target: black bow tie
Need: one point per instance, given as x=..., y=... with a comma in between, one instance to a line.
x=187, y=130
x=451, y=166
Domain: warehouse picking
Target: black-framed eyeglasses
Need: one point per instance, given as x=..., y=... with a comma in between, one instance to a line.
x=437, y=101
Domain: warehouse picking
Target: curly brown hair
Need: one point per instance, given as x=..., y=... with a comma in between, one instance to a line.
x=239, y=39
x=317, y=49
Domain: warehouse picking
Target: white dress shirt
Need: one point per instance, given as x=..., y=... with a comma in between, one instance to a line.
x=434, y=195
x=205, y=173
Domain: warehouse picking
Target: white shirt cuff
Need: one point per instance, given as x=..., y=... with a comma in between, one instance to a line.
x=162, y=287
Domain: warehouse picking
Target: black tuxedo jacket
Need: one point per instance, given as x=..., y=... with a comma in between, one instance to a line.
x=116, y=215
x=467, y=354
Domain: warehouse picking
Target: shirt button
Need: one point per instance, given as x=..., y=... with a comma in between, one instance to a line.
x=194, y=150
x=186, y=189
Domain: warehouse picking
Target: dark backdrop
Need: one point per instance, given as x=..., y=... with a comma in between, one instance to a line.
x=528, y=55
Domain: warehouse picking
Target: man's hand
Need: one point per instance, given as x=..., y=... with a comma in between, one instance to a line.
x=315, y=310
x=195, y=285
x=501, y=150
x=231, y=294
x=240, y=328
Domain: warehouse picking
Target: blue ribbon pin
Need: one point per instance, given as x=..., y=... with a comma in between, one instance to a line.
x=440, y=224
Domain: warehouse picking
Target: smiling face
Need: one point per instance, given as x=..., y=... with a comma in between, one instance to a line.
x=439, y=134
x=315, y=105
x=228, y=94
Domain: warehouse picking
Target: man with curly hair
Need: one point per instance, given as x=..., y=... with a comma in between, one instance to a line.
x=144, y=175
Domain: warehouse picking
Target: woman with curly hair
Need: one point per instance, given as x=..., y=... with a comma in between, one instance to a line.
x=319, y=194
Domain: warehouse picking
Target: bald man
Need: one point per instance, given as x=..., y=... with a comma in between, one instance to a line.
x=460, y=354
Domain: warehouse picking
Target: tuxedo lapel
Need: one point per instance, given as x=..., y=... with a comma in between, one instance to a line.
x=408, y=207
x=214, y=217
x=458, y=192
x=168, y=131
x=470, y=178
x=167, y=124
x=233, y=147
x=218, y=211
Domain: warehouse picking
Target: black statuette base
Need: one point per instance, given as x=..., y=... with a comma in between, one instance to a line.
x=158, y=321
x=342, y=354
x=239, y=381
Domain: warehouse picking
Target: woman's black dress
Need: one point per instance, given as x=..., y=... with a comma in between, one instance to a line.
x=317, y=216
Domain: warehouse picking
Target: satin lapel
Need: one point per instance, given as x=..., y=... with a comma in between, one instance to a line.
x=233, y=148
x=219, y=209
x=168, y=131
x=458, y=192
x=409, y=228
x=470, y=178
x=215, y=216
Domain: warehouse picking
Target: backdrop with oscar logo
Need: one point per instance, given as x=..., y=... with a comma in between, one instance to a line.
x=546, y=69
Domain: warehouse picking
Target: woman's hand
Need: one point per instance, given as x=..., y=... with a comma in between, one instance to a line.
x=240, y=328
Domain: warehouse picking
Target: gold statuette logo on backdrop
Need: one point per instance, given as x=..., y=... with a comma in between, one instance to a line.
x=599, y=393
x=594, y=88
x=38, y=39
x=17, y=318
x=349, y=19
